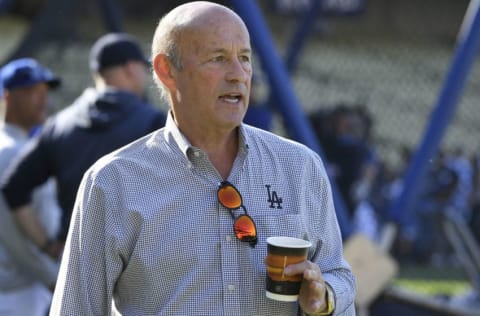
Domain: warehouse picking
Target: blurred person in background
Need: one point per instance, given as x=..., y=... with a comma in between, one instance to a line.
x=102, y=119
x=435, y=200
x=259, y=113
x=154, y=229
x=461, y=164
x=344, y=133
x=475, y=196
x=27, y=275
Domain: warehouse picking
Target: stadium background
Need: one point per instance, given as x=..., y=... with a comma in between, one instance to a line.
x=391, y=57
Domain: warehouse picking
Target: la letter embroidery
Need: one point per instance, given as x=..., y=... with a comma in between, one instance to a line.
x=273, y=198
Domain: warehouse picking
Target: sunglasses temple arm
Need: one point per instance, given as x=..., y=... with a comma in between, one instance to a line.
x=244, y=209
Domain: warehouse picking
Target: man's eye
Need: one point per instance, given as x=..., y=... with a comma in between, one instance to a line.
x=245, y=59
x=218, y=58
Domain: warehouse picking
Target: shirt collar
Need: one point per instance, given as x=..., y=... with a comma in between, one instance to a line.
x=175, y=137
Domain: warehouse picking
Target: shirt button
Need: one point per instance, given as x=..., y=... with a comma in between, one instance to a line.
x=228, y=238
x=196, y=154
x=231, y=287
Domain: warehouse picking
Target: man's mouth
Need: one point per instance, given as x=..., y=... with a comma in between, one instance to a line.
x=231, y=98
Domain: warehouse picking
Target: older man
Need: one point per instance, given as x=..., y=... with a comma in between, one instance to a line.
x=150, y=229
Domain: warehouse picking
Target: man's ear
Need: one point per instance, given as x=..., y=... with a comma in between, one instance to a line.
x=163, y=70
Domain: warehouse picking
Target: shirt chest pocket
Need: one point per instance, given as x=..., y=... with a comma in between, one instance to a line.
x=292, y=225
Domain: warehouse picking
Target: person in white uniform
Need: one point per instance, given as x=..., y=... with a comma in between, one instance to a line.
x=27, y=275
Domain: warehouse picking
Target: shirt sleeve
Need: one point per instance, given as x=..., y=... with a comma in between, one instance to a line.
x=29, y=170
x=329, y=253
x=89, y=267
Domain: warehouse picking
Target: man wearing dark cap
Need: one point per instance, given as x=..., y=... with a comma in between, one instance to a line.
x=101, y=120
x=26, y=274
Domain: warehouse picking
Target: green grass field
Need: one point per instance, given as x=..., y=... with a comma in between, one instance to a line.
x=433, y=281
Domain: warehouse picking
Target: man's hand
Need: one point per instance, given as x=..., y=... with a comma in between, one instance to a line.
x=312, y=297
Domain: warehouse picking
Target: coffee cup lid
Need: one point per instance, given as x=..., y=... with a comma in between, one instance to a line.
x=290, y=242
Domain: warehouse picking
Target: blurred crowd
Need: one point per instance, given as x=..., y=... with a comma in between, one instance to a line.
x=369, y=185
x=37, y=150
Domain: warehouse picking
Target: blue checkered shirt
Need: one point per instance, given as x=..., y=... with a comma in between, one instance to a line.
x=148, y=233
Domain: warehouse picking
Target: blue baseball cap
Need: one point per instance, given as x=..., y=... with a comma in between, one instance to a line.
x=25, y=72
x=115, y=49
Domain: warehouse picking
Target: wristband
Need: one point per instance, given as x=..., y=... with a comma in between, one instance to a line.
x=330, y=300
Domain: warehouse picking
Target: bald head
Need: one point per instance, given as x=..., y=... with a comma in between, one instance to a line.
x=188, y=18
x=198, y=14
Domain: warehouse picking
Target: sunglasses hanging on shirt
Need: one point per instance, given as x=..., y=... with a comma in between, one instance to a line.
x=243, y=225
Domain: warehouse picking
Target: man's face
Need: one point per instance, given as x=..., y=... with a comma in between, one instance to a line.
x=28, y=105
x=213, y=87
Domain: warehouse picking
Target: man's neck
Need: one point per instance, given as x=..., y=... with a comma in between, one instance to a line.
x=221, y=149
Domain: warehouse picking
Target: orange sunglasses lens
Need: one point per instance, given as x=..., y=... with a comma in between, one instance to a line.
x=243, y=226
x=229, y=197
x=245, y=229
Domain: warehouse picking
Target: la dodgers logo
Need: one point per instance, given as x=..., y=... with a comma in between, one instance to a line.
x=273, y=198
